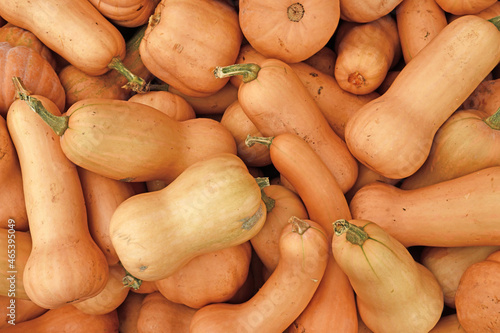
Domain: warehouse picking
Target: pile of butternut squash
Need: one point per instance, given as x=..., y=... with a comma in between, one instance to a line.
x=250, y=166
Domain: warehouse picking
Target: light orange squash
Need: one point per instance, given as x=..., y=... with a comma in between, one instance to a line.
x=449, y=263
x=363, y=11
x=98, y=134
x=262, y=97
x=378, y=135
x=323, y=60
x=464, y=7
x=65, y=264
x=16, y=249
x=212, y=277
x=126, y=13
x=182, y=45
x=215, y=203
x=289, y=31
x=394, y=293
x=17, y=310
x=418, y=21
x=36, y=72
x=365, y=53
x=477, y=296
x=171, y=104
x=448, y=324
x=468, y=141
x=128, y=312
x=367, y=176
x=67, y=318
x=457, y=208
x=12, y=206
x=77, y=32
x=485, y=97
x=284, y=295
x=157, y=315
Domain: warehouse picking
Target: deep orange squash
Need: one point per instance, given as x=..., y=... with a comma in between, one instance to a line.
x=15, y=311
x=128, y=312
x=16, y=249
x=485, y=97
x=464, y=7
x=363, y=11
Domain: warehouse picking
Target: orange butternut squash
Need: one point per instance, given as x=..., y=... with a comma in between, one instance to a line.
x=67, y=319
x=97, y=134
x=367, y=176
x=289, y=31
x=323, y=60
x=363, y=11
x=36, y=72
x=365, y=53
x=56, y=214
x=464, y=7
x=485, y=97
x=468, y=141
x=17, y=310
x=12, y=206
x=128, y=312
x=77, y=32
x=214, y=204
x=303, y=259
x=448, y=324
x=418, y=23
x=158, y=314
x=262, y=98
x=457, y=208
x=182, y=45
x=129, y=13
x=16, y=249
x=476, y=299
x=212, y=277
x=282, y=204
x=449, y=263
x=173, y=105
x=112, y=85
x=378, y=135
x=393, y=292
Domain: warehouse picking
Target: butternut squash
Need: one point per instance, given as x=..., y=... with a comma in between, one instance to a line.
x=171, y=104
x=464, y=7
x=303, y=258
x=65, y=264
x=363, y=11
x=393, y=134
x=457, y=208
x=16, y=249
x=214, y=204
x=448, y=324
x=129, y=13
x=393, y=292
x=485, y=97
x=128, y=312
x=17, y=310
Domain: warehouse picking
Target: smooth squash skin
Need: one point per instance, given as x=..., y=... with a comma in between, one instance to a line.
x=275, y=100
x=449, y=263
x=128, y=13
x=393, y=134
x=182, y=44
x=365, y=53
x=394, y=293
x=15, y=311
x=67, y=319
x=16, y=249
x=213, y=204
x=134, y=142
x=171, y=104
x=464, y=7
x=448, y=324
x=362, y=11
x=476, y=299
x=74, y=29
x=486, y=96
x=289, y=31
x=284, y=295
x=128, y=312
x=65, y=264
x=418, y=21
x=212, y=277
x=442, y=214
x=12, y=206
x=468, y=141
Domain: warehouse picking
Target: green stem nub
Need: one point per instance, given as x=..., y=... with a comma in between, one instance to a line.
x=59, y=124
x=247, y=71
x=496, y=21
x=493, y=121
x=354, y=234
x=251, y=140
x=135, y=83
x=298, y=225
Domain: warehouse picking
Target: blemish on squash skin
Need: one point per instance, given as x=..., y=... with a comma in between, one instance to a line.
x=143, y=268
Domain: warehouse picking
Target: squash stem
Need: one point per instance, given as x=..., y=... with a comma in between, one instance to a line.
x=262, y=181
x=59, y=124
x=130, y=281
x=251, y=140
x=158, y=87
x=298, y=225
x=247, y=71
x=493, y=121
x=354, y=234
x=496, y=21
x=135, y=83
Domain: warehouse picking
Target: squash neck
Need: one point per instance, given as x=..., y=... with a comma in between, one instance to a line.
x=493, y=121
x=354, y=234
x=247, y=71
x=251, y=140
x=59, y=124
